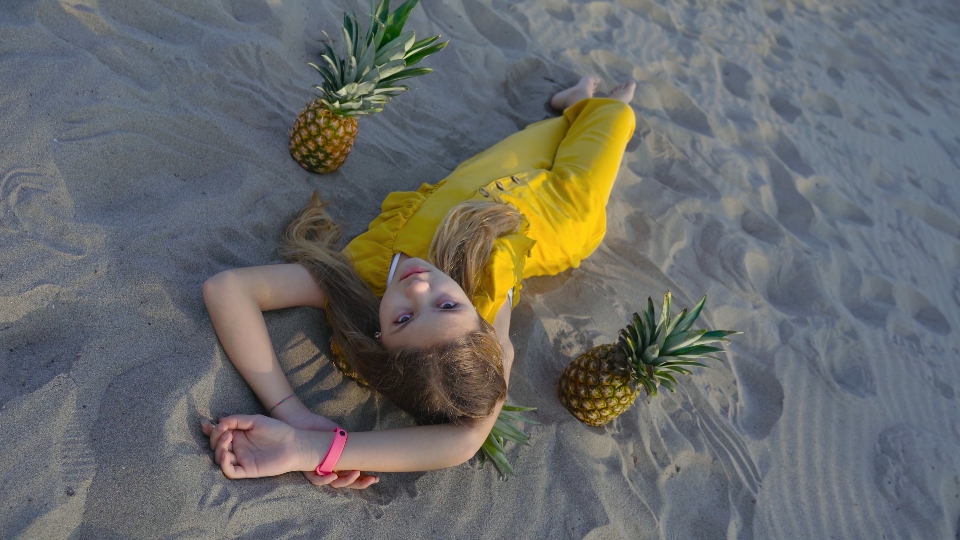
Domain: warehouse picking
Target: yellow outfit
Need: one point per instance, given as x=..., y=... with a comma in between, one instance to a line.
x=558, y=173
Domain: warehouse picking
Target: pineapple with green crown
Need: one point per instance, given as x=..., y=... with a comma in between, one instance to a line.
x=358, y=82
x=605, y=381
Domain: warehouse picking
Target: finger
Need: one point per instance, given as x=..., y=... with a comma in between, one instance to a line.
x=206, y=427
x=223, y=449
x=364, y=482
x=229, y=462
x=345, y=479
x=216, y=432
x=239, y=421
x=318, y=480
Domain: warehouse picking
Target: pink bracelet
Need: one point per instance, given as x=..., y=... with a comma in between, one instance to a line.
x=333, y=454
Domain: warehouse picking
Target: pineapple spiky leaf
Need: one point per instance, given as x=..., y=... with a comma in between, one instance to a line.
x=503, y=430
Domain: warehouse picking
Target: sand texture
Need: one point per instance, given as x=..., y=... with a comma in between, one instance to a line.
x=796, y=160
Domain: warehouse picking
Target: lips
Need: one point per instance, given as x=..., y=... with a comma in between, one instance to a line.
x=411, y=271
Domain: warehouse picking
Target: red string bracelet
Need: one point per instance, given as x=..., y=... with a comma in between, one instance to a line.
x=279, y=402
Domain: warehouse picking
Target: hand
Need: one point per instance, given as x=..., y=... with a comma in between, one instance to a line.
x=256, y=446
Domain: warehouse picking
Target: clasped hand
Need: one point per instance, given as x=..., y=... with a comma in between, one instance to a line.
x=254, y=446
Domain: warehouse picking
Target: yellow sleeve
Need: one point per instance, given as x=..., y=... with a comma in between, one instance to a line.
x=504, y=271
x=371, y=252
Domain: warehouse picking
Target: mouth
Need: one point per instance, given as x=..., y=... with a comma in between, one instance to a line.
x=413, y=270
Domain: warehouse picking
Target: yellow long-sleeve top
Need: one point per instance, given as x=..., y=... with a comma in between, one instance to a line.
x=558, y=173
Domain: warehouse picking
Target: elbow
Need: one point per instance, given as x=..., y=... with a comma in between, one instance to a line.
x=217, y=286
x=470, y=446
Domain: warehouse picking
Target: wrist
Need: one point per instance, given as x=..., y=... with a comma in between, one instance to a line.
x=288, y=410
x=312, y=447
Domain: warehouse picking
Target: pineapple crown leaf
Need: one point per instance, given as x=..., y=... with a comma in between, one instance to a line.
x=405, y=74
x=396, y=48
x=361, y=79
x=511, y=432
x=416, y=54
x=691, y=317
x=393, y=22
x=503, y=430
x=656, y=348
x=678, y=341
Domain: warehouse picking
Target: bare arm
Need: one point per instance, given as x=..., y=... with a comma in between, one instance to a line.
x=236, y=300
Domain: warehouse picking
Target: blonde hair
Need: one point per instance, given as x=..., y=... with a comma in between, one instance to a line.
x=465, y=237
x=458, y=381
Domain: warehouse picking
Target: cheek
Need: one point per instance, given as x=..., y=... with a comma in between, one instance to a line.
x=385, y=308
x=384, y=317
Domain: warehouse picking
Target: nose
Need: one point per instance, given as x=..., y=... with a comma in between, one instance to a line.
x=417, y=289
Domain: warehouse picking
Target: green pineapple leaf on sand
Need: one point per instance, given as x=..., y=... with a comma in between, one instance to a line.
x=504, y=430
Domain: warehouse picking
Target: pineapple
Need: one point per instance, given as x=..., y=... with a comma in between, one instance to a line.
x=605, y=381
x=357, y=83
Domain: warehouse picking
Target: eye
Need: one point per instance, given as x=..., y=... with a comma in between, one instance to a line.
x=403, y=319
x=447, y=305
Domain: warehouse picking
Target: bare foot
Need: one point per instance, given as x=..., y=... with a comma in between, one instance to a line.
x=624, y=92
x=582, y=90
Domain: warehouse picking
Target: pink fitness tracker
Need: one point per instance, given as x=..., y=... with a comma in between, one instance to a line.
x=333, y=454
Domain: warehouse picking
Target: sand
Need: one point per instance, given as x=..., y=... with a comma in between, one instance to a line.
x=796, y=160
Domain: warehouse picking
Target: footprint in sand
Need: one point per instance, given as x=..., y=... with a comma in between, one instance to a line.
x=832, y=204
x=912, y=348
x=936, y=218
x=952, y=148
x=784, y=148
x=784, y=108
x=681, y=109
x=821, y=103
x=497, y=30
x=774, y=13
x=838, y=354
x=248, y=11
x=530, y=77
x=919, y=476
x=868, y=298
x=922, y=310
x=721, y=255
x=650, y=10
x=761, y=226
x=794, y=211
x=835, y=75
x=659, y=159
x=794, y=285
x=735, y=78
x=760, y=398
x=32, y=356
x=848, y=364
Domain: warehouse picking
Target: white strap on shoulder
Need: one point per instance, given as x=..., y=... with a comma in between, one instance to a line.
x=393, y=268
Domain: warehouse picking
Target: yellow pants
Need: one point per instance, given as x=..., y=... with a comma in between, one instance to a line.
x=558, y=173
x=566, y=168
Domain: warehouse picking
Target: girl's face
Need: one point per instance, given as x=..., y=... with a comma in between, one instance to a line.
x=423, y=306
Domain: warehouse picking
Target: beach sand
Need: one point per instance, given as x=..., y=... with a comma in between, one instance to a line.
x=795, y=160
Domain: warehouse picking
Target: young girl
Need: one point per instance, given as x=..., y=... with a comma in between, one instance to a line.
x=420, y=303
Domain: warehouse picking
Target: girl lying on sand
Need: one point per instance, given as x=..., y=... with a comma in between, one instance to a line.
x=420, y=303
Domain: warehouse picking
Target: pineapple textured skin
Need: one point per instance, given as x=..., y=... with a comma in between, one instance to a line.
x=597, y=386
x=320, y=141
